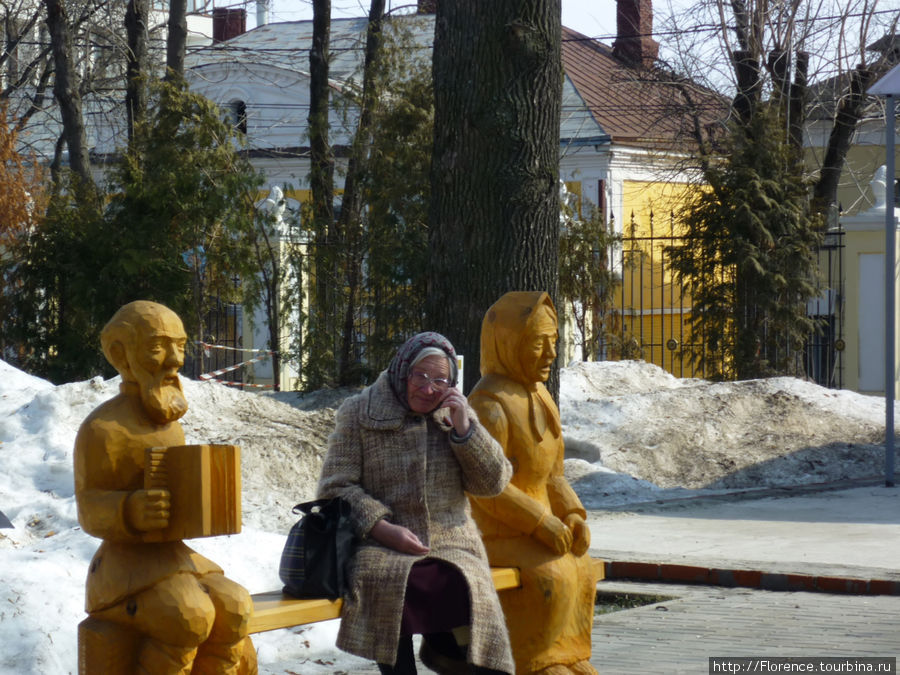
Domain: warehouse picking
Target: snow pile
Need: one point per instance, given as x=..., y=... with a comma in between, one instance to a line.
x=636, y=420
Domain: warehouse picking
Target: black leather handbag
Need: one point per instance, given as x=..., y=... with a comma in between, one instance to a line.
x=318, y=550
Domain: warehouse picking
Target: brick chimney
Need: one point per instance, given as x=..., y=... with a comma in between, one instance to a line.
x=228, y=23
x=634, y=33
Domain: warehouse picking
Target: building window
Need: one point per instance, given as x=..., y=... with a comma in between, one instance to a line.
x=238, y=110
x=601, y=199
x=190, y=6
x=198, y=5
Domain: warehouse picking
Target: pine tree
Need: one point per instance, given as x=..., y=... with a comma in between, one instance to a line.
x=182, y=208
x=748, y=255
x=178, y=227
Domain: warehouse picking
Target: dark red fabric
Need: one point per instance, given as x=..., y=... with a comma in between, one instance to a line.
x=437, y=598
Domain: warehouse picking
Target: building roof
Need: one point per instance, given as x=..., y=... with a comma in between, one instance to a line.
x=635, y=106
x=286, y=45
x=604, y=100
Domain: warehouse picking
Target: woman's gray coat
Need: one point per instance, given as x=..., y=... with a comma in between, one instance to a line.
x=392, y=463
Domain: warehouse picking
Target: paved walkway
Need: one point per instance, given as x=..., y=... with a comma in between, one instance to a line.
x=815, y=537
x=844, y=538
x=679, y=635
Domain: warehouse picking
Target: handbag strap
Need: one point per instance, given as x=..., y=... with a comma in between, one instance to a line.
x=312, y=506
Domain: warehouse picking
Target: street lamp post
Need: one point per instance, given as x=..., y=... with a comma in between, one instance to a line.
x=889, y=87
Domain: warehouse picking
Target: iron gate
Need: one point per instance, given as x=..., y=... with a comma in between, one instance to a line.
x=655, y=311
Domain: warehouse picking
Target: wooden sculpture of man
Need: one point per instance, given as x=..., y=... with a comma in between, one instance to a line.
x=189, y=616
x=537, y=523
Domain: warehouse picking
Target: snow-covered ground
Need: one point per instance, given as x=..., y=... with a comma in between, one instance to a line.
x=633, y=433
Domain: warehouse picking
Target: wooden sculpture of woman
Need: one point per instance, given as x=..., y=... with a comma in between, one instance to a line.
x=537, y=523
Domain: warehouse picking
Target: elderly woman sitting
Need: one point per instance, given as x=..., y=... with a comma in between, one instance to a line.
x=404, y=453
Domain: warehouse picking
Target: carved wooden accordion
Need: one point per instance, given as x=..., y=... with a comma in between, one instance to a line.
x=205, y=486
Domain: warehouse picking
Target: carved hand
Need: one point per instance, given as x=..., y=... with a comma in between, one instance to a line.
x=553, y=534
x=148, y=509
x=581, y=533
x=397, y=537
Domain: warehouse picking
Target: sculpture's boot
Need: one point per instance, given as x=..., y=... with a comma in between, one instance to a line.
x=583, y=668
x=218, y=659
x=158, y=658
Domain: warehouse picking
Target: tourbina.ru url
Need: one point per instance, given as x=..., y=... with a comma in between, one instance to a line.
x=805, y=664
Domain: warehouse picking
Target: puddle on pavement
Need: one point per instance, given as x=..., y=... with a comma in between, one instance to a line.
x=607, y=602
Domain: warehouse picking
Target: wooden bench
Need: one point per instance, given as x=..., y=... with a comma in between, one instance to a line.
x=275, y=610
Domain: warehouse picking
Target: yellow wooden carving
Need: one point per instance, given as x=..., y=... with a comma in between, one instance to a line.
x=155, y=605
x=537, y=523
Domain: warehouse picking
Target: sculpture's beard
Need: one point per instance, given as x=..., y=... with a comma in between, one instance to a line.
x=163, y=398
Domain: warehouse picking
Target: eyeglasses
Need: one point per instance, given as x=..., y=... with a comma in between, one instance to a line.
x=420, y=379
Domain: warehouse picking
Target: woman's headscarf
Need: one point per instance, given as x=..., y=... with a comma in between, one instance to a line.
x=406, y=356
x=505, y=325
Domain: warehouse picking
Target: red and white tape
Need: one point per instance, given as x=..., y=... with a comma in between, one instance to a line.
x=206, y=347
x=211, y=376
x=243, y=385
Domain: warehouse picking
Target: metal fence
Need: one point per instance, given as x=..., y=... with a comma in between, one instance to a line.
x=222, y=341
x=385, y=312
x=655, y=311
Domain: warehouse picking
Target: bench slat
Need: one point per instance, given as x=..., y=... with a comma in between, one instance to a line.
x=275, y=610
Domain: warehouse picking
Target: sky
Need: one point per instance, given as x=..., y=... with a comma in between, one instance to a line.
x=594, y=18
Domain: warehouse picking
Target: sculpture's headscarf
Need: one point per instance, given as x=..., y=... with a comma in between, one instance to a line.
x=505, y=325
x=406, y=356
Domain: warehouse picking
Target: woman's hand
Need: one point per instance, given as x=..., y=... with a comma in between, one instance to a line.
x=553, y=534
x=397, y=537
x=459, y=410
x=581, y=533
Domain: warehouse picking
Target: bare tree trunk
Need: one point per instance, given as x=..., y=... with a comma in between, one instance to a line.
x=799, y=92
x=321, y=183
x=16, y=30
x=38, y=97
x=39, y=67
x=136, y=64
x=849, y=113
x=177, y=40
x=66, y=90
x=748, y=28
x=273, y=309
x=494, y=220
x=350, y=221
x=749, y=86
